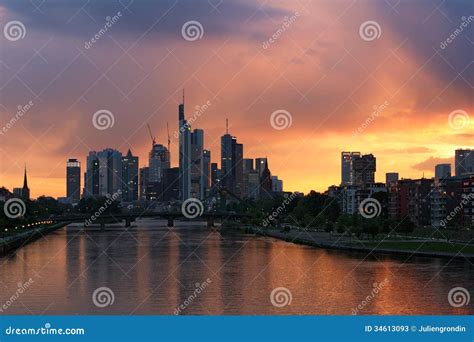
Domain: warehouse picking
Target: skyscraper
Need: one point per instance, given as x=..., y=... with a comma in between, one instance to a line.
x=464, y=162
x=231, y=164
x=260, y=164
x=197, y=163
x=110, y=172
x=266, y=187
x=144, y=176
x=277, y=184
x=347, y=159
x=73, y=180
x=363, y=170
x=184, y=154
x=130, y=177
x=158, y=161
x=91, y=176
x=206, y=175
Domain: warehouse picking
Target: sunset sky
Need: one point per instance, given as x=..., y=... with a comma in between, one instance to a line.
x=319, y=69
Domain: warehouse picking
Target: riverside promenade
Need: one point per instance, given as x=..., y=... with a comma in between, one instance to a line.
x=404, y=247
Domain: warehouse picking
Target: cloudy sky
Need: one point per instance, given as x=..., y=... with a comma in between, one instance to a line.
x=372, y=76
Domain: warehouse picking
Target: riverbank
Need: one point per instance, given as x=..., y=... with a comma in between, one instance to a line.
x=11, y=243
x=426, y=248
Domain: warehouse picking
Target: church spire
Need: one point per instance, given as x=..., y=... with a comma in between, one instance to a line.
x=25, y=180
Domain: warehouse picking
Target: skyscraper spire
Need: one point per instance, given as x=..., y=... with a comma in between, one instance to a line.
x=183, y=96
x=25, y=180
x=226, y=126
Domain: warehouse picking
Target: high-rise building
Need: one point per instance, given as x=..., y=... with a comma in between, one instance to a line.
x=464, y=162
x=391, y=178
x=73, y=180
x=277, y=184
x=110, y=172
x=158, y=161
x=144, y=176
x=130, y=177
x=266, y=187
x=91, y=176
x=231, y=164
x=347, y=159
x=184, y=154
x=247, y=169
x=260, y=164
x=170, y=185
x=197, y=164
x=363, y=170
x=442, y=171
x=206, y=175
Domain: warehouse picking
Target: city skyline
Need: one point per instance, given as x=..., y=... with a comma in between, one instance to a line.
x=328, y=86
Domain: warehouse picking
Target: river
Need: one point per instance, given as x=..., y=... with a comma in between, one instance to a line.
x=190, y=269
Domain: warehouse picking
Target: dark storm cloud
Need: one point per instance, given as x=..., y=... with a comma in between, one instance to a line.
x=164, y=17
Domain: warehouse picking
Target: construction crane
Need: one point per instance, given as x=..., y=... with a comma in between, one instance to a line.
x=153, y=140
x=169, y=140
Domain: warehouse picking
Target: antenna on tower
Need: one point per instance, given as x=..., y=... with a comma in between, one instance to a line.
x=183, y=95
x=169, y=141
x=226, y=126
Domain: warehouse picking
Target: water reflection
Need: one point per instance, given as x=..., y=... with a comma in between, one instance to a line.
x=153, y=269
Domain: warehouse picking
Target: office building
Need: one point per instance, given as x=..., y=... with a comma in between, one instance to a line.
x=391, y=178
x=73, y=181
x=144, y=176
x=277, y=184
x=464, y=162
x=231, y=164
x=197, y=164
x=184, y=154
x=347, y=159
x=363, y=170
x=206, y=174
x=91, y=176
x=130, y=177
x=442, y=171
x=158, y=161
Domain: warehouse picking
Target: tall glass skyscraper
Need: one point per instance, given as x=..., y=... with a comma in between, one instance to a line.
x=184, y=155
x=73, y=180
